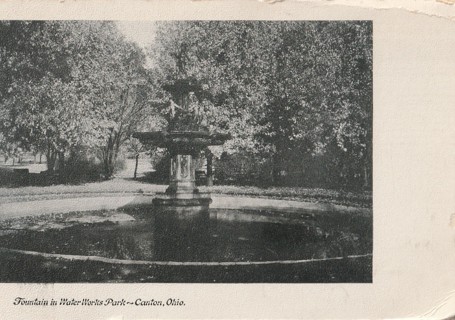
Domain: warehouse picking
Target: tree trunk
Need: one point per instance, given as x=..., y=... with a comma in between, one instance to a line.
x=107, y=167
x=209, y=168
x=110, y=154
x=108, y=170
x=276, y=169
x=61, y=160
x=135, y=167
x=109, y=162
x=50, y=159
x=59, y=166
x=40, y=155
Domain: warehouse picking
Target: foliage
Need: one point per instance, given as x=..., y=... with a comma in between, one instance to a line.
x=286, y=91
x=67, y=84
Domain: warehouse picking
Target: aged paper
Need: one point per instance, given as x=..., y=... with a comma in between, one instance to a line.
x=414, y=174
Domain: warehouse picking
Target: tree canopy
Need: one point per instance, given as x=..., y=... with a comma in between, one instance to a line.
x=297, y=92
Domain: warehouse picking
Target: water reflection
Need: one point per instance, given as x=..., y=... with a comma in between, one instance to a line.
x=182, y=236
x=194, y=235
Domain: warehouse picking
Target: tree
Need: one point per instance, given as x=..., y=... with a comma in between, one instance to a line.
x=67, y=84
x=136, y=147
x=37, y=99
x=286, y=90
x=129, y=106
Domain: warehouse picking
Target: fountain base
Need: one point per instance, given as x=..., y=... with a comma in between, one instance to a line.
x=182, y=199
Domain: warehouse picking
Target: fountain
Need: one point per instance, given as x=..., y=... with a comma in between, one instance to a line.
x=185, y=139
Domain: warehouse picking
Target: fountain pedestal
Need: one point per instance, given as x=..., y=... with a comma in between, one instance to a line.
x=182, y=189
x=182, y=178
x=184, y=146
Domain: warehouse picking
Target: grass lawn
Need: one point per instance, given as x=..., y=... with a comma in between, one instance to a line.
x=318, y=195
x=127, y=186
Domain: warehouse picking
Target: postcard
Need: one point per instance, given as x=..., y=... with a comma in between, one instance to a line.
x=227, y=159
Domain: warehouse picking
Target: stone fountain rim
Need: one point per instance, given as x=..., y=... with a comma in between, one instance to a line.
x=87, y=258
x=14, y=210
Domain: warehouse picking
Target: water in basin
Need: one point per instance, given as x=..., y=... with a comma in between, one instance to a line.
x=221, y=235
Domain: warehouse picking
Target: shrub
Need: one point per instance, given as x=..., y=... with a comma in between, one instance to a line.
x=81, y=170
x=160, y=162
x=7, y=177
x=242, y=169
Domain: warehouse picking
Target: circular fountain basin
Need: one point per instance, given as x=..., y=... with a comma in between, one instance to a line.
x=143, y=243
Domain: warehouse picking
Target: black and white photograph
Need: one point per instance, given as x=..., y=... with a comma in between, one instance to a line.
x=227, y=159
x=186, y=151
